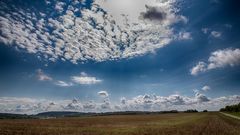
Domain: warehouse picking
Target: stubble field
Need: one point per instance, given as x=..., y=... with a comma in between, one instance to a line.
x=159, y=124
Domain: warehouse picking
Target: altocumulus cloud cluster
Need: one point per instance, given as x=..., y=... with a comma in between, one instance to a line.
x=139, y=103
x=76, y=31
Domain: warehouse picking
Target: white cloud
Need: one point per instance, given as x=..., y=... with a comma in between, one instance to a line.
x=83, y=74
x=139, y=103
x=201, y=98
x=28, y=105
x=59, y=6
x=123, y=100
x=82, y=79
x=222, y=58
x=105, y=104
x=42, y=76
x=85, y=79
x=206, y=88
x=216, y=34
x=199, y=101
x=75, y=104
x=133, y=9
x=103, y=93
x=90, y=105
x=63, y=84
x=218, y=59
x=184, y=36
x=200, y=67
x=118, y=33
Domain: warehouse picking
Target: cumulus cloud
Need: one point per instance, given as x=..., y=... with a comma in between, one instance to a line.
x=72, y=31
x=200, y=67
x=153, y=14
x=218, y=59
x=75, y=104
x=222, y=58
x=123, y=100
x=42, y=76
x=28, y=105
x=201, y=98
x=105, y=104
x=206, y=88
x=139, y=103
x=85, y=79
x=90, y=105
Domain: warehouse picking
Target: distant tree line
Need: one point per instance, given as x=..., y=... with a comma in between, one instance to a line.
x=191, y=111
x=231, y=108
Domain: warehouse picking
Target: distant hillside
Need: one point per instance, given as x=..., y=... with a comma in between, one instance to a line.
x=79, y=114
x=57, y=114
x=63, y=114
x=15, y=116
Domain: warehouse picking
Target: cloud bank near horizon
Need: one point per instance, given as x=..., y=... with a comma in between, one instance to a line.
x=138, y=103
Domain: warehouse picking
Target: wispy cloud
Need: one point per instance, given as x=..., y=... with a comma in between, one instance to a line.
x=216, y=34
x=185, y=36
x=103, y=93
x=213, y=33
x=85, y=79
x=42, y=76
x=63, y=84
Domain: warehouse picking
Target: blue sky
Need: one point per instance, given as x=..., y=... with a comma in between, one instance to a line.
x=118, y=55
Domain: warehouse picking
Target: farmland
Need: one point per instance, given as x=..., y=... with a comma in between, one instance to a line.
x=211, y=123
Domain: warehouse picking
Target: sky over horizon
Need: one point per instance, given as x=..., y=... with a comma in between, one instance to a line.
x=111, y=55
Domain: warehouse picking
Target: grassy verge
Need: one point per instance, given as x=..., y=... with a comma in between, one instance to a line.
x=235, y=114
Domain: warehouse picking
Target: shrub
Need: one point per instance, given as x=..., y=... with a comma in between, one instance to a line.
x=205, y=110
x=191, y=111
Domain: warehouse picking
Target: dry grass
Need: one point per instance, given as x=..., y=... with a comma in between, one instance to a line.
x=163, y=124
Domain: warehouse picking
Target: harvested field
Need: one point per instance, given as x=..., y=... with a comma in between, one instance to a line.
x=161, y=124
